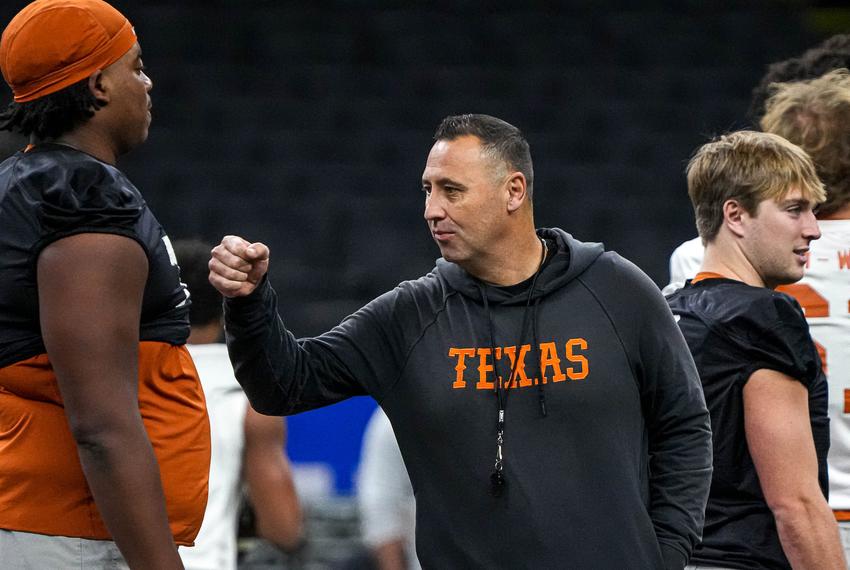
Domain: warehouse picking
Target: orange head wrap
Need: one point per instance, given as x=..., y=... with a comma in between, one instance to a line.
x=52, y=44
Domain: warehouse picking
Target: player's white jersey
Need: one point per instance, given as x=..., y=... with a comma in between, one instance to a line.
x=824, y=294
x=684, y=264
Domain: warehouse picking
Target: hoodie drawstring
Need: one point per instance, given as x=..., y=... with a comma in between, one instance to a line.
x=497, y=479
x=541, y=394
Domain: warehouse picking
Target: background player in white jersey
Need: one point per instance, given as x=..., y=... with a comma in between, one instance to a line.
x=247, y=448
x=816, y=115
x=385, y=499
x=832, y=54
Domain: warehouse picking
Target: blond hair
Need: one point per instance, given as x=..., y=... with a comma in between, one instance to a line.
x=749, y=167
x=815, y=114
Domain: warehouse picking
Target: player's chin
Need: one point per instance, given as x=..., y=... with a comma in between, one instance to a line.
x=791, y=275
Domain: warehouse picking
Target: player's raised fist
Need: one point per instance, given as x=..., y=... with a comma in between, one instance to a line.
x=237, y=266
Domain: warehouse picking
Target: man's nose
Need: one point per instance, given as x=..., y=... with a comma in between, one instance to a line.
x=433, y=208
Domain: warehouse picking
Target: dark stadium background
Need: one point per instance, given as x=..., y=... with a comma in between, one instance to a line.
x=306, y=125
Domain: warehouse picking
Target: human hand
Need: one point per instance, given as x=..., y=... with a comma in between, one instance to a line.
x=237, y=266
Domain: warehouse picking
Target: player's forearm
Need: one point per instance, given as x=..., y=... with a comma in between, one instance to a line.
x=123, y=475
x=284, y=530
x=809, y=536
x=390, y=555
x=269, y=482
x=278, y=511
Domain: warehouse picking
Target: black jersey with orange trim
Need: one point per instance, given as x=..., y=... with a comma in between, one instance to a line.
x=733, y=330
x=54, y=191
x=48, y=193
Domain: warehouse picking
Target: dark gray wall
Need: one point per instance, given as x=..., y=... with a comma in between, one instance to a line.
x=306, y=125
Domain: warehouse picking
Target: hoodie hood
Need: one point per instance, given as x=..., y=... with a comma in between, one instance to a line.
x=571, y=259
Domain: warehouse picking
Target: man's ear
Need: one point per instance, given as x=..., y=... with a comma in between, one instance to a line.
x=734, y=216
x=98, y=87
x=517, y=191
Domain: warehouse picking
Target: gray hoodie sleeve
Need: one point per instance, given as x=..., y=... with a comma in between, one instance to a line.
x=673, y=404
x=282, y=375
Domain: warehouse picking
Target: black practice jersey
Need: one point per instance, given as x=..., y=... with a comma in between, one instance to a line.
x=51, y=192
x=733, y=330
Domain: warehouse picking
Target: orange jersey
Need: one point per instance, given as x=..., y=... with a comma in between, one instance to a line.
x=42, y=486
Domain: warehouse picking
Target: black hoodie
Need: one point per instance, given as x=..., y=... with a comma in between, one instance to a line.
x=614, y=475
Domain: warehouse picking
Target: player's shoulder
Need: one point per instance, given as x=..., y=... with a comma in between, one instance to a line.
x=74, y=189
x=764, y=326
x=738, y=307
x=778, y=312
x=70, y=178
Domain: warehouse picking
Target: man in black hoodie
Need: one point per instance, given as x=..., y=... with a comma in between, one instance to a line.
x=544, y=401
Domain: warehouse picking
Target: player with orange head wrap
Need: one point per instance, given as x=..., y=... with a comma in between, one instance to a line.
x=104, y=437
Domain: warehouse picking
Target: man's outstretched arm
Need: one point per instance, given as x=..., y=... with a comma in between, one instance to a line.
x=282, y=375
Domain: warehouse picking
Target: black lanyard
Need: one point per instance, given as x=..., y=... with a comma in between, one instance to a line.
x=497, y=478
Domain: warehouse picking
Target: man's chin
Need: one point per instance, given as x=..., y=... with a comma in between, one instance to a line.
x=452, y=259
x=445, y=252
x=450, y=254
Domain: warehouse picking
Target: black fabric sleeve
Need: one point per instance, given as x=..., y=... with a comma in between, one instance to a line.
x=674, y=559
x=677, y=420
x=282, y=375
x=775, y=336
x=86, y=199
